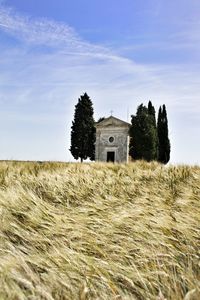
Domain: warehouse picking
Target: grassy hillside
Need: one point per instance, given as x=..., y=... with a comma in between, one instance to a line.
x=94, y=231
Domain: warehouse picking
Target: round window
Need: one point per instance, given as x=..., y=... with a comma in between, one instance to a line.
x=111, y=139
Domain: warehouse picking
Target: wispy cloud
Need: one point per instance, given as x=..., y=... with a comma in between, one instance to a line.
x=49, y=33
x=36, y=31
x=74, y=56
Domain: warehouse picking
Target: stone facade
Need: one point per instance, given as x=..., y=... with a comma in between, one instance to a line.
x=112, y=140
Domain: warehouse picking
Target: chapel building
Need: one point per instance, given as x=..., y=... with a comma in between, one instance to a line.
x=112, y=140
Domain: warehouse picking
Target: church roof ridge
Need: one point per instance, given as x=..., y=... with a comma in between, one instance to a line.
x=112, y=117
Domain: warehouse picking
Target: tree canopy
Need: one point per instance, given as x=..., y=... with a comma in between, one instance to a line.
x=150, y=141
x=143, y=134
x=83, y=130
x=163, y=139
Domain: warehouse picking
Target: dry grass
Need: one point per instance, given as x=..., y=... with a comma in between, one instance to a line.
x=96, y=231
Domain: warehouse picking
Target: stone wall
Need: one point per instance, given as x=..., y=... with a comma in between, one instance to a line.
x=120, y=144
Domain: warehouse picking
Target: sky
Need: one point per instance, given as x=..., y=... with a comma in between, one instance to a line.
x=121, y=52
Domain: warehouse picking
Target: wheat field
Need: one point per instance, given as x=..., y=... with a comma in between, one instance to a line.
x=99, y=231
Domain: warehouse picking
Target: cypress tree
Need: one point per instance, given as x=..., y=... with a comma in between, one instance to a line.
x=163, y=139
x=152, y=113
x=83, y=130
x=143, y=142
x=100, y=119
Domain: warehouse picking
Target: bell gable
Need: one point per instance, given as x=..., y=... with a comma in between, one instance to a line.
x=112, y=121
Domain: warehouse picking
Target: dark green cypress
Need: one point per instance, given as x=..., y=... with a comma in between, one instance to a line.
x=83, y=130
x=143, y=135
x=152, y=113
x=100, y=119
x=164, y=147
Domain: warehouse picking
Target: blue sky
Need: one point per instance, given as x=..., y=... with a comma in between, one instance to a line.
x=121, y=52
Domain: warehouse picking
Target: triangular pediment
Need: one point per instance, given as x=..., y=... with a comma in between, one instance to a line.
x=112, y=121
